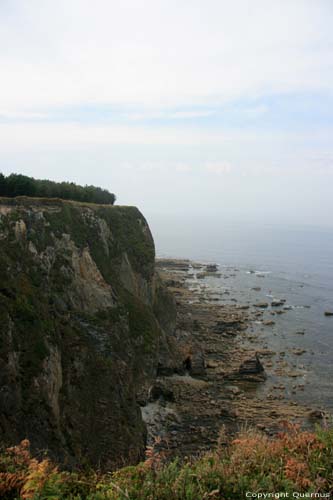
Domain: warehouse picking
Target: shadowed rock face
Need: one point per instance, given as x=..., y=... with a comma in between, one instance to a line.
x=84, y=323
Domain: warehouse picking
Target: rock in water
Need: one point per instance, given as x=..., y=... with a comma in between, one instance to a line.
x=268, y=322
x=262, y=305
x=211, y=268
x=251, y=366
x=277, y=303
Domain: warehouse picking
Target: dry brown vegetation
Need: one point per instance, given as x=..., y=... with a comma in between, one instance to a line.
x=294, y=460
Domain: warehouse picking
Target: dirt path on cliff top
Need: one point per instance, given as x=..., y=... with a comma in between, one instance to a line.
x=224, y=368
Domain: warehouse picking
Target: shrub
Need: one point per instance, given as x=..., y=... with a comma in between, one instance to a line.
x=294, y=460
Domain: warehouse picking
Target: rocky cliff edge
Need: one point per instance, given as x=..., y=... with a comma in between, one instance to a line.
x=85, y=323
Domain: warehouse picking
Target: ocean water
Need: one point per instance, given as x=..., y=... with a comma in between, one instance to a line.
x=285, y=262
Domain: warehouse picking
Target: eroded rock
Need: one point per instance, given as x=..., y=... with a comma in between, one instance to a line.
x=251, y=366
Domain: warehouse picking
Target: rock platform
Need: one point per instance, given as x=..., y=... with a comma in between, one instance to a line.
x=218, y=387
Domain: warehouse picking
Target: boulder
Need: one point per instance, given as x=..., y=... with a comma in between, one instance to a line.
x=277, y=302
x=228, y=325
x=197, y=366
x=211, y=268
x=251, y=366
x=316, y=415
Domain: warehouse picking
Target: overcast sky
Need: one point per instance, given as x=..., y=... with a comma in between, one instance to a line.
x=219, y=107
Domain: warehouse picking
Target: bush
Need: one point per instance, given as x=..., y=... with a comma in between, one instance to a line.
x=294, y=460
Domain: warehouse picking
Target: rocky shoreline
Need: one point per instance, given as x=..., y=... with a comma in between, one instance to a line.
x=219, y=388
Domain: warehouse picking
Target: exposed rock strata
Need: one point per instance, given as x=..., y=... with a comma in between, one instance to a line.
x=89, y=332
x=85, y=323
x=228, y=391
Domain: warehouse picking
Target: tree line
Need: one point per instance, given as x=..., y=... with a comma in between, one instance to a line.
x=21, y=185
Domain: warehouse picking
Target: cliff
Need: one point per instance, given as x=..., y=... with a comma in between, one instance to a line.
x=84, y=325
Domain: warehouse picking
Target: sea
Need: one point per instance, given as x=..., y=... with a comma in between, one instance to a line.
x=293, y=263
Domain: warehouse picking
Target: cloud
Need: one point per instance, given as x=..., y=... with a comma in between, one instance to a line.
x=218, y=168
x=163, y=115
x=323, y=163
x=21, y=116
x=33, y=135
x=190, y=114
x=183, y=168
x=226, y=101
x=158, y=54
x=255, y=111
x=157, y=166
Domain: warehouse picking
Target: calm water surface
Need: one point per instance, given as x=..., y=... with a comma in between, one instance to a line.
x=294, y=263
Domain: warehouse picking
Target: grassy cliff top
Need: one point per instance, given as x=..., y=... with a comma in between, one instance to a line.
x=35, y=201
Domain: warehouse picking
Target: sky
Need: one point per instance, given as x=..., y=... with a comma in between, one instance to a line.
x=188, y=107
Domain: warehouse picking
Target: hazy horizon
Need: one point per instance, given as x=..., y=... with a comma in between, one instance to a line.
x=197, y=109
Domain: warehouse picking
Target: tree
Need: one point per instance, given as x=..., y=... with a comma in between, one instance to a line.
x=21, y=185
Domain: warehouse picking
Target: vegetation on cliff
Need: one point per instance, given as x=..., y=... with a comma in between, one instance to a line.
x=294, y=461
x=79, y=338
x=21, y=185
x=83, y=325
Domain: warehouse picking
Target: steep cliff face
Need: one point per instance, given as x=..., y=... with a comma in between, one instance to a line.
x=84, y=325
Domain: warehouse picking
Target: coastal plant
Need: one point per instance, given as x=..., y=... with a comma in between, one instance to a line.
x=294, y=460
